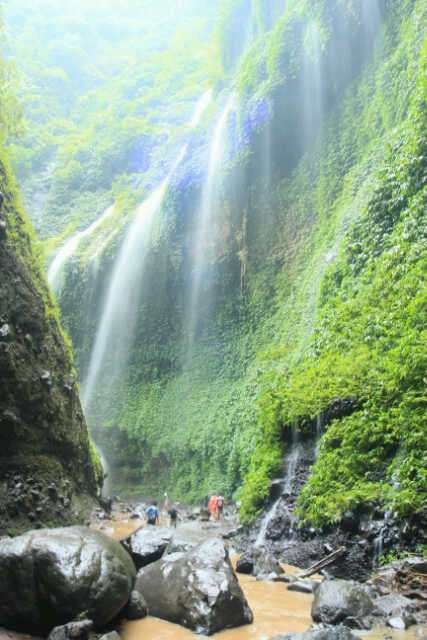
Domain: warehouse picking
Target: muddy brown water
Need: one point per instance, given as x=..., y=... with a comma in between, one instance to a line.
x=276, y=610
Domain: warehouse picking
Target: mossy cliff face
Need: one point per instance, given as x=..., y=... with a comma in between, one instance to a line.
x=47, y=472
x=310, y=295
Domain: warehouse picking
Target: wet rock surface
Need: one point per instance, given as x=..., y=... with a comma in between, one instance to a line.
x=367, y=533
x=338, y=601
x=72, y=631
x=148, y=545
x=197, y=589
x=331, y=633
x=259, y=563
x=43, y=431
x=136, y=608
x=50, y=577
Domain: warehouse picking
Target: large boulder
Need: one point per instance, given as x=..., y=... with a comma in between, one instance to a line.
x=148, y=545
x=50, y=577
x=197, y=589
x=336, y=601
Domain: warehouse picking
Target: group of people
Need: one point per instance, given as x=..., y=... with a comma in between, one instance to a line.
x=152, y=514
x=216, y=507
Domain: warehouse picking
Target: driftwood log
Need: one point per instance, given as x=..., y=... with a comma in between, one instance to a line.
x=330, y=559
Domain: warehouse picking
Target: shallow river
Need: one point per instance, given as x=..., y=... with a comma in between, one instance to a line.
x=276, y=610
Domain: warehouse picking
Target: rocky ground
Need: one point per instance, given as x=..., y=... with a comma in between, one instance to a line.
x=367, y=534
x=80, y=584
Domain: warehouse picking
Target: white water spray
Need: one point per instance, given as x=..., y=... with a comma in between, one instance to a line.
x=288, y=481
x=56, y=270
x=312, y=84
x=205, y=238
x=119, y=314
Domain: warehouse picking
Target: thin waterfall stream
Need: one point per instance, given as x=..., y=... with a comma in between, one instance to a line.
x=118, y=317
x=67, y=251
x=292, y=460
x=204, y=237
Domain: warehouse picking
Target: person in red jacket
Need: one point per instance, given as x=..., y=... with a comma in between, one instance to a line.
x=213, y=507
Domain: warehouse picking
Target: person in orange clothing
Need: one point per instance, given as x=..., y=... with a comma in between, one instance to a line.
x=213, y=507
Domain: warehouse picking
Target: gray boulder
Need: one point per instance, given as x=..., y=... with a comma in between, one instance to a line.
x=148, y=545
x=72, y=631
x=51, y=577
x=197, y=589
x=337, y=600
x=331, y=633
x=393, y=604
x=259, y=563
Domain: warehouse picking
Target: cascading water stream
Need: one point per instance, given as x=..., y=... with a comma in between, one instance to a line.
x=312, y=85
x=115, y=332
x=57, y=266
x=209, y=199
x=288, y=482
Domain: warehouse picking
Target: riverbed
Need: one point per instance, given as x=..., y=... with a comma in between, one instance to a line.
x=276, y=609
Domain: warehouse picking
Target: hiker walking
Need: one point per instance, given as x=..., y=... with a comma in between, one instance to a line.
x=152, y=514
x=173, y=517
x=213, y=507
x=220, y=507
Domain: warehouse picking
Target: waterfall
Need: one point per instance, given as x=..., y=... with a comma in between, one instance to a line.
x=56, y=269
x=115, y=332
x=106, y=487
x=204, y=236
x=312, y=84
x=288, y=482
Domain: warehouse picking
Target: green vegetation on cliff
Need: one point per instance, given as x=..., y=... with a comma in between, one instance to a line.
x=314, y=292
x=44, y=438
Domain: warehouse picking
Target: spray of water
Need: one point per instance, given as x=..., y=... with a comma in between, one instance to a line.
x=288, y=483
x=116, y=329
x=312, y=84
x=57, y=267
x=204, y=236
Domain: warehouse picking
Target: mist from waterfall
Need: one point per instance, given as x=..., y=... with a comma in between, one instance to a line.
x=55, y=274
x=205, y=237
x=313, y=110
x=115, y=333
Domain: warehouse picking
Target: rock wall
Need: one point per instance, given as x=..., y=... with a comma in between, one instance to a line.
x=47, y=470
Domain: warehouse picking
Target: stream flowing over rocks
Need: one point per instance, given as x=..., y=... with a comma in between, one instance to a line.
x=366, y=533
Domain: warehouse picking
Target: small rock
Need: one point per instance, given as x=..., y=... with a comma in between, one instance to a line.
x=399, y=622
x=46, y=378
x=328, y=633
x=301, y=586
x=136, y=608
x=113, y=635
x=5, y=331
x=72, y=631
x=245, y=565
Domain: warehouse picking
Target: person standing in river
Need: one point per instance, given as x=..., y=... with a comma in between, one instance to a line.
x=173, y=517
x=220, y=507
x=152, y=514
x=213, y=507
